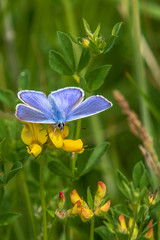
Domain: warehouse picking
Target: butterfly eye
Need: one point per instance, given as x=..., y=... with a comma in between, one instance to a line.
x=60, y=125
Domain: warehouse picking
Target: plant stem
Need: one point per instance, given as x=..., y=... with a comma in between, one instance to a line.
x=67, y=232
x=133, y=224
x=43, y=203
x=159, y=226
x=29, y=204
x=92, y=229
x=139, y=65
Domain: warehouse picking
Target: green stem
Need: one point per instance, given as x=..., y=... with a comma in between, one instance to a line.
x=29, y=204
x=92, y=229
x=67, y=232
x=43, y=203
x=139, y=65
x=133, y=224
x=77, y=136
x=159, y=226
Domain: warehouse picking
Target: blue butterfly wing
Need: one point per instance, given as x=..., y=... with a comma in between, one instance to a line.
x=29, y=114
x=91, y=106
x=37, y=108
x=64, y=100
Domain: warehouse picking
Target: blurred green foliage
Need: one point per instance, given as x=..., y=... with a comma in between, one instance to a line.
x=28, y=31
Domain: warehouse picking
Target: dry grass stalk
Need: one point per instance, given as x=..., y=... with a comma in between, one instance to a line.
x=139, y=131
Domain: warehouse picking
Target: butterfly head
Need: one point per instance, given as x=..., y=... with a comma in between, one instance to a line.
x=60, y=125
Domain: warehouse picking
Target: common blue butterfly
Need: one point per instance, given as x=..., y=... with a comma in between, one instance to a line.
x=61, y=106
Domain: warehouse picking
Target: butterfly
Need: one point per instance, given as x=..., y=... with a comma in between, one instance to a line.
x=61, y=106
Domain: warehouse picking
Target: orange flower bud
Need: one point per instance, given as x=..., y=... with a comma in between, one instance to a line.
x=74, y=196
x=123, y=227
x=101, y=191
x=150, y=234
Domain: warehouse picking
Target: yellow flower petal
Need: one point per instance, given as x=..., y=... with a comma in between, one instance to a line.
x=70, y=145
x=85, y=214
x=74, y=196
x=33, y=132
x=135, y=230
x=123, y=227
x=65, y=131
x=55, y=136
x=27, y=134
x=34, y=149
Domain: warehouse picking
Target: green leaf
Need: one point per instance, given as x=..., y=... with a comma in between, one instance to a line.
x=123, y=185
x=58, y=63
x=59, y=168
x=86, y=27
x=122, y=236
x=95, y=157
x=23, y=80
x=15, y=168
x=104, y=233
x=96, y=32
x=7, y=97
x=83, y=84
x=95, y=78
x=155, y=208
x=2, y=179
x=113, y=37
x=145, y=179
x=51, y=213
x=1, y=193
x=89, y=198
x=137, y=173
x=123, y=209
x=84, y=59
x=6, y=218
x=67, y=48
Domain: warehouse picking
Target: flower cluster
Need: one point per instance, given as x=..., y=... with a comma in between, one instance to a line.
x=81, y=208
x=34, y=135
x=126, y=230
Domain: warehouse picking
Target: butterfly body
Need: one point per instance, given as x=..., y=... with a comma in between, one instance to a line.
x=61, y=106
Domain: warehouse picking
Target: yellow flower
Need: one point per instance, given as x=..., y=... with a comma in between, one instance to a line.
x=152, y=197
x=123, y=228
x=104, y=208
x=85, y=214
x=34, y=135
x=57, y=137
x=80, y=207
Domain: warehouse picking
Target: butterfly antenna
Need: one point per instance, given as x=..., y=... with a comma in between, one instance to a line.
x=76, y=126
x=51, y=131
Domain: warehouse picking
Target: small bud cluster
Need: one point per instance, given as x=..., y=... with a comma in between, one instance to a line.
x=81, y=208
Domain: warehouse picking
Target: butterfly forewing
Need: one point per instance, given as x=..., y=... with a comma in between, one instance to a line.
x=90, y=106
x=28, y=114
